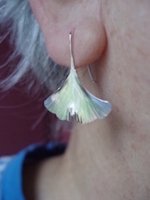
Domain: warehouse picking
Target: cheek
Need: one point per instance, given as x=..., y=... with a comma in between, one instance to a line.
x=89, y=39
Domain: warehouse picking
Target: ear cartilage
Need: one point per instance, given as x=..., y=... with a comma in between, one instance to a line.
x=72, y=102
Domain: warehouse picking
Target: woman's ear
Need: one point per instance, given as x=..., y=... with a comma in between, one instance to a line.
x=83, y=19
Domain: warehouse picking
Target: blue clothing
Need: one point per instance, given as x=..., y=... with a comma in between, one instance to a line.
x=11, y=182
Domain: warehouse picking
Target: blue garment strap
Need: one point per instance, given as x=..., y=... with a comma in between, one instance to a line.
x=12, y=177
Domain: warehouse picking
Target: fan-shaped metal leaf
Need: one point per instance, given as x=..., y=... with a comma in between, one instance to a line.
x=73, y=102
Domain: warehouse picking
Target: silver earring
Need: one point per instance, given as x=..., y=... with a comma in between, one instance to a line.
x=73, y=102
x=91, y=74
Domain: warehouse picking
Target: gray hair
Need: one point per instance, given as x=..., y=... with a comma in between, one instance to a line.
x=30, y=45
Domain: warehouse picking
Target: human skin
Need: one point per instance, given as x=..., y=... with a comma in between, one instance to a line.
x=110, y=158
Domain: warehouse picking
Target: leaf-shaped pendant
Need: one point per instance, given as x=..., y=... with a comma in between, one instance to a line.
x=73, y=102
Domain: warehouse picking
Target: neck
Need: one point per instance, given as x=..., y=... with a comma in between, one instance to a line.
x=99, y=160
x=85, y=136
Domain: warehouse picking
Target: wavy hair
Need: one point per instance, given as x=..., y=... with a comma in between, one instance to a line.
x=29, y=43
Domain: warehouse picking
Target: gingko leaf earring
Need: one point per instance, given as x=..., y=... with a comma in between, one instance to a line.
x=73, y=102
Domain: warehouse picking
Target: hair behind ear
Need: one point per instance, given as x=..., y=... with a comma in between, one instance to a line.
x=29, y=45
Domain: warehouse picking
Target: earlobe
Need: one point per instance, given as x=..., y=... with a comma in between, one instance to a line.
x=89, y=41
x=89, y=38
